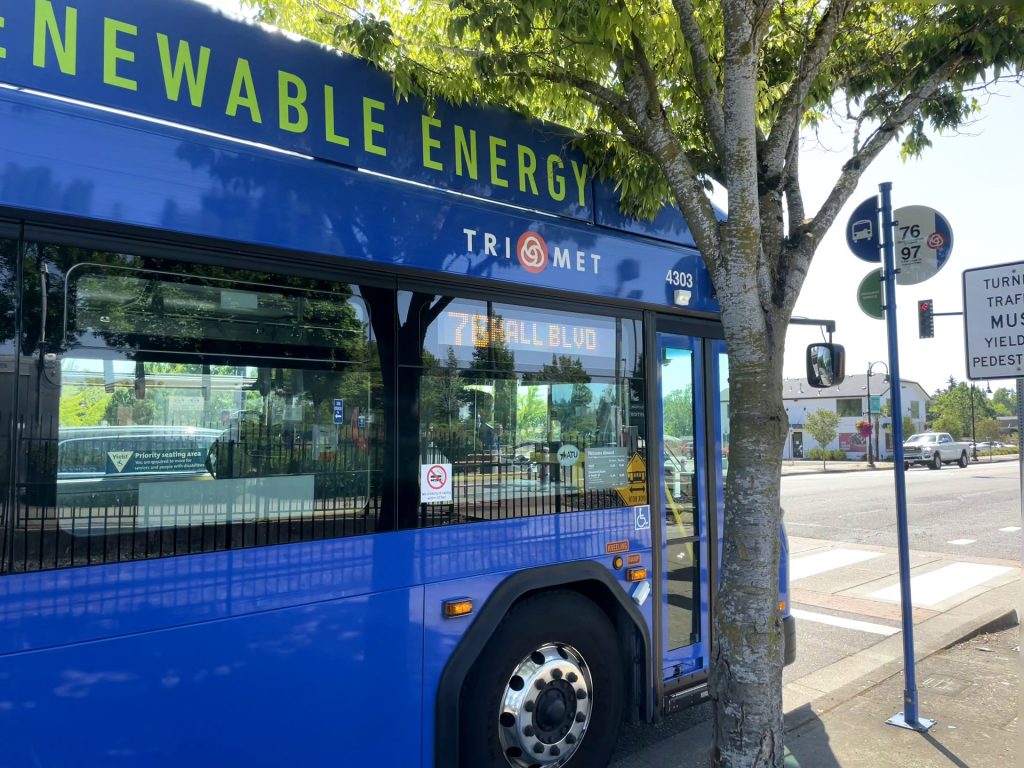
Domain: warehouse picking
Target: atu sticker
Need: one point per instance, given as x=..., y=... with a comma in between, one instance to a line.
x=568, y=455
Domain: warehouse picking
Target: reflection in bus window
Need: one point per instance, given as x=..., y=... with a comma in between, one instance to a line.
x=723, y=417
x=536, y=411
x=9, y=364
x=680, y=494
x=197, y=409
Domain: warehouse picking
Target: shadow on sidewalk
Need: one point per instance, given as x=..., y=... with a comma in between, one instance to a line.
x=953, y=759
x=807, y=744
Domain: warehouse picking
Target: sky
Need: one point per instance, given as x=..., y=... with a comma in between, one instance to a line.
x=973, y=177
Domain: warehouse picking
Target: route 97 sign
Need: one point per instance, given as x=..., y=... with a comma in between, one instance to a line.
x=923, y=240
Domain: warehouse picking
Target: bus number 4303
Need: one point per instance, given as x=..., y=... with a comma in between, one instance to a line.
x=680, y=279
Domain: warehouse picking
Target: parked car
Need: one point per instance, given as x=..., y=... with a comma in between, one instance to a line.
x=933, y=449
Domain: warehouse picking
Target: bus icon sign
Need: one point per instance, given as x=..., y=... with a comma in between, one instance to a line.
x=862, y=231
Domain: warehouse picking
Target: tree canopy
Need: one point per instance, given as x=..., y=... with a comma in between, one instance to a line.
x=950, y=409
x=670, y=97
x=823, y=425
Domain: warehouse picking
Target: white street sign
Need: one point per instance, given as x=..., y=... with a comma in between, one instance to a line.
x=994, y=321
x=923, y=240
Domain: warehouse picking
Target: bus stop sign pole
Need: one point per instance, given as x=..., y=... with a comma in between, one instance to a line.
x=908, y=718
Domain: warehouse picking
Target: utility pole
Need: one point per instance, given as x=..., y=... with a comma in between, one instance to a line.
x=974, y=439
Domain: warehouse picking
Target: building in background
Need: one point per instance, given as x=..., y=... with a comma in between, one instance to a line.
x=850, y=401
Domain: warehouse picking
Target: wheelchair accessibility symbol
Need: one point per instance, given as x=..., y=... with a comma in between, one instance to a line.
x=642, y=518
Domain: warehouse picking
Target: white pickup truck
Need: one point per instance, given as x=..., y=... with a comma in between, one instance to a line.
x=934, y=449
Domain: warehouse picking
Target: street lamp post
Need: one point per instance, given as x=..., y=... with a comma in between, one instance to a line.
x=874, y=424
x=871, y=461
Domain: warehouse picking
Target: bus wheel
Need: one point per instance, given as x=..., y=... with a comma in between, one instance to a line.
x=547, y=690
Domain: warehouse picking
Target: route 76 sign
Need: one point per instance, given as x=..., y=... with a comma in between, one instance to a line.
x=923, y=240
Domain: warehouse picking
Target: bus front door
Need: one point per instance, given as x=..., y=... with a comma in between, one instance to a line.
x=684, y=596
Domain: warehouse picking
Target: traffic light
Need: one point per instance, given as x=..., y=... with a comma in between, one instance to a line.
x=925, y=321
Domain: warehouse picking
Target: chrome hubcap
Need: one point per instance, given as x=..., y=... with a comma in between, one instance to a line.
x=546, y=707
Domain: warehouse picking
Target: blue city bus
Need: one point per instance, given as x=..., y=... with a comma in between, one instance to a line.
x=336, y=430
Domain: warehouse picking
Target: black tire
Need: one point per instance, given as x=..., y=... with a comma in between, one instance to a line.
x=554, y=618
x=936, y=462
x=963, y=462
x=906, y=465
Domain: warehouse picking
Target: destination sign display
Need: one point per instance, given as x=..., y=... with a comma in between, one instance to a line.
x=522, y=329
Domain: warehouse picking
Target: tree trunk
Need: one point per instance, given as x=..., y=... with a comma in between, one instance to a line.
x=747, y=652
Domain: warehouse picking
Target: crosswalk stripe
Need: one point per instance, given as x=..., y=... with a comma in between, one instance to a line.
x=961, y=542
x=934, y=587
x=1010, y=529
x=811, y=565
x=839, y=621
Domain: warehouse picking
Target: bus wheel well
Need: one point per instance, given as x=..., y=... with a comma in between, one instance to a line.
x=632, y=641
x=588, y=579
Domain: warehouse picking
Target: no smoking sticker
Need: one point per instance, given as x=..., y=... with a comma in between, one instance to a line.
x=435, y=483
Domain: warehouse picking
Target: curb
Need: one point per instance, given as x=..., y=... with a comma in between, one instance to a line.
x=881, y=467
x=1008, y=620
x=994, y=618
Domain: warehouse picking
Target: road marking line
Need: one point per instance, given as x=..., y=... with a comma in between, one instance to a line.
x=1010, y=529
x=961, y=542
x=812, y=565
x=838, y=621
x=932, y=588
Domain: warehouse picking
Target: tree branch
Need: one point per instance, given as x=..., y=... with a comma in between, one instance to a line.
x=791, y=108
x=740, y=161
x=807, y=237
x=854, y=168
x=661, y=142
x=794, y=195
x=703, y=74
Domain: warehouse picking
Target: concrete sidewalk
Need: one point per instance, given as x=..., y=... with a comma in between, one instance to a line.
x=970, y=687
x=970, y=690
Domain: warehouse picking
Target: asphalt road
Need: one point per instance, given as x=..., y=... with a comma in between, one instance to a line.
x=943, y=506
x=968, y=513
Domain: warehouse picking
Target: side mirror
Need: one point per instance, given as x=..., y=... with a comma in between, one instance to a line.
x=826, y=365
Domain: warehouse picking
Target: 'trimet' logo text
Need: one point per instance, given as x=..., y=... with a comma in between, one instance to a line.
x=532, y=251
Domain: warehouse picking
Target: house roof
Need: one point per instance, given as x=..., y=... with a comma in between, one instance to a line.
x=854, y=385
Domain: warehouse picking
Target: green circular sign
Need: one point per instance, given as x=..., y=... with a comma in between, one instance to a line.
x=869, y=294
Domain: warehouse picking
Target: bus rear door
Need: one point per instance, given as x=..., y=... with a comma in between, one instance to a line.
x=681, y=475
